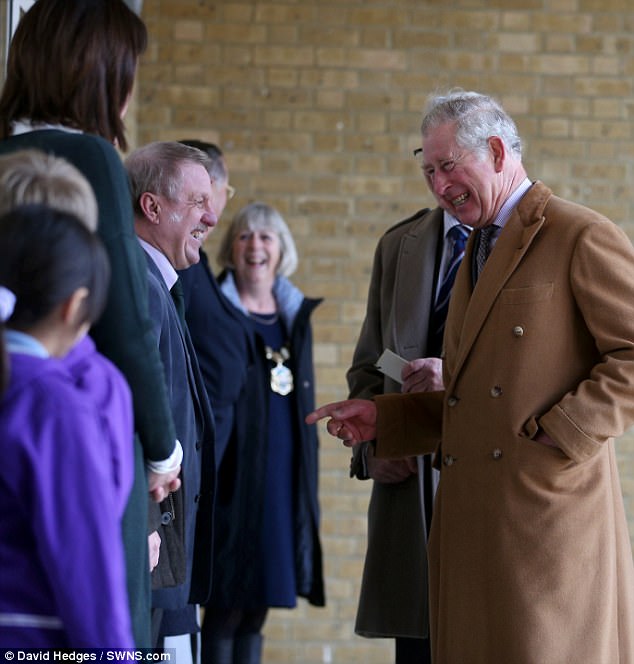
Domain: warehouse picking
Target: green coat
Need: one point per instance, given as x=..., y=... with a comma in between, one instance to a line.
x=123, y=333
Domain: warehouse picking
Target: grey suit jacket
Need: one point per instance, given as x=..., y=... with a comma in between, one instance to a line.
x=186, y=526
x=393, y=599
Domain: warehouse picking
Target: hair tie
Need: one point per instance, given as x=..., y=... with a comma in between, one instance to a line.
x=7, y=303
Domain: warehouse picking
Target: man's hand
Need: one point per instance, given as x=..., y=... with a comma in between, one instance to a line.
x=353, y=421
x=422, y=375
x=162, y=484
x=391, y=471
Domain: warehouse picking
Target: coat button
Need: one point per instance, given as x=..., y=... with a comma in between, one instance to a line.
x=449, y=460
x=497, y=453
x=198, y=444
x=496, y=391
x=452, y=401
x=166, y=517
x=518, y=331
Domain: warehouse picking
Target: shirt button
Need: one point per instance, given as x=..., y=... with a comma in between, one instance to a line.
x=497, y=453
x=518, y=331
x=166, y=517
x=496, y=391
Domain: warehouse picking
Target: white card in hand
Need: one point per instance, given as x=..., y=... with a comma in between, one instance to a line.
x=391, y=365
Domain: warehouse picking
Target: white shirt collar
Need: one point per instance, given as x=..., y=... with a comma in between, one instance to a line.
x=449, y=222
x=162, y=263
x=26, y=126
x=510, y=203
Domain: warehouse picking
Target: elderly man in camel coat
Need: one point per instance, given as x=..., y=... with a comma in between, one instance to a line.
x=530, y=560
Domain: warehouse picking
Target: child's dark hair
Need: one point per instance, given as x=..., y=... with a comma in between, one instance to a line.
x=45, y=256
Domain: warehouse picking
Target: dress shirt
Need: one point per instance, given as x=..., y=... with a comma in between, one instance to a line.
x=162, y=263
x=505, y=211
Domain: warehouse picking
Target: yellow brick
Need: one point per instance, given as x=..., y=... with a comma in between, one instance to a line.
x=560, y=43
x=284, y=77
x=319, y=116
x=563, y=64
x=330, y=99
x=604, y=6
x=559, y=127
x=329, y=78
x=376, y=59
x=271, y=12
x=188, y=30
x=329, y=35
x=237, y=33
x=279, y=55
x=517, y=43
x=602, y=87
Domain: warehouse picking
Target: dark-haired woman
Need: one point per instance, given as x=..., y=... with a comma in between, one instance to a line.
x=70, y=72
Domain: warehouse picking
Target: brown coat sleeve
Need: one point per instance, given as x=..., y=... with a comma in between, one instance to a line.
x=408, y=424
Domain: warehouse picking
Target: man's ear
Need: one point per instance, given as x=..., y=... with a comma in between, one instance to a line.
x=498, y=151
x=150, y=206
x=73, y=307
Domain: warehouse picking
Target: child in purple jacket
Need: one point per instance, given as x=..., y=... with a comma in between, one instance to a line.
x=62, y=575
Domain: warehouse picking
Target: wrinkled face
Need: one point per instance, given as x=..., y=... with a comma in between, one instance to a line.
x=186, y=221
x=466, y=184
x=256, y=255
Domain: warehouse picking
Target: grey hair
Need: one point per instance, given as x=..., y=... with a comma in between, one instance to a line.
x=259, y=216
x=477, y=118
x=217, y=168
x=156, y=168
x=31, y=176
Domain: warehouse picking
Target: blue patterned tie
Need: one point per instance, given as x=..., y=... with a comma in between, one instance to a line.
x=459, y=235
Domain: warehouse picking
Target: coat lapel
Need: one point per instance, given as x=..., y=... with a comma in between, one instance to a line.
x=416, y=265
x=512, y=244
x=188, y=348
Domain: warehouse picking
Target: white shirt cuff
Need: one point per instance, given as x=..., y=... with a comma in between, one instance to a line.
x=167, y=465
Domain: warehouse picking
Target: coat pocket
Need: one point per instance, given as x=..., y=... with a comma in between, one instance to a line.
x=527, y=295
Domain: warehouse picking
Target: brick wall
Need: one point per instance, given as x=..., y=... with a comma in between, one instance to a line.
x=317, y=106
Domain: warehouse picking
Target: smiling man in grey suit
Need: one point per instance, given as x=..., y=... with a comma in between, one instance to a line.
x=173, y=213
x=412, y=275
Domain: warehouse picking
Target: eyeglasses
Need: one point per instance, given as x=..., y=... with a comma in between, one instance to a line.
x=219, y=187
x=418, y=155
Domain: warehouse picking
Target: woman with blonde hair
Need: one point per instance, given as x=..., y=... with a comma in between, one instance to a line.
x=267, y=550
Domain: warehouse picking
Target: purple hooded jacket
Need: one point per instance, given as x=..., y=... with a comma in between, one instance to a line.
x=64, y=483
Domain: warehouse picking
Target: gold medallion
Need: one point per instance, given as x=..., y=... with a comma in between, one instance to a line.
x=281, y=375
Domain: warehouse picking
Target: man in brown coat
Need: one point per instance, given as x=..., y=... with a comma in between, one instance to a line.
x=530, y=560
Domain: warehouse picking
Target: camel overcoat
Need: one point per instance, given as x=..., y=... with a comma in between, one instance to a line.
x=530, y=558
